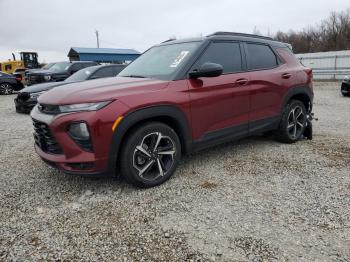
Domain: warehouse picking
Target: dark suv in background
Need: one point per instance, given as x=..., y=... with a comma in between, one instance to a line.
x=345, y=86
x=55, y=72
x=27, y=98
x=176, y=98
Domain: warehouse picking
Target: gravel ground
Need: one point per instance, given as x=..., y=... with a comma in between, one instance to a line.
x=251, y=200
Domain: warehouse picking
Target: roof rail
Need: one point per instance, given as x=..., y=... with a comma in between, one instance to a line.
x=240, y=34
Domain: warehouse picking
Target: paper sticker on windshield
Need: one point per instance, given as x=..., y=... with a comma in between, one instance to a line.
x=179, y=58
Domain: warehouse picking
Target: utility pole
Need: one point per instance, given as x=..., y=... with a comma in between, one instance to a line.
x=97, y=39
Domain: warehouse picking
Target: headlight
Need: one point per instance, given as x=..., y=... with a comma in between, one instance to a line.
x=347, y=79
x=83, y=107
x=47, y=78
x=36, y=95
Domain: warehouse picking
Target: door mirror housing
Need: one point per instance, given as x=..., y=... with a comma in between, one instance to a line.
x=207, y=70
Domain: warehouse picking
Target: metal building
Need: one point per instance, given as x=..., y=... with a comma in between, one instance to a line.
x=327, y=65
x=102, y=55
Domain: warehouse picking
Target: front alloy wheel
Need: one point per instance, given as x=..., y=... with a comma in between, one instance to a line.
x=150, y=154
x=5, y=89
x=154, y=156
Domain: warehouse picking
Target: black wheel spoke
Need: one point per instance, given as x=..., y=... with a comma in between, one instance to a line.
x=143, y=151
x=146, y=168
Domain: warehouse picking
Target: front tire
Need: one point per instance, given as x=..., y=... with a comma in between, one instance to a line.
x=150, y=154
x=6, y=89
x=293, y=122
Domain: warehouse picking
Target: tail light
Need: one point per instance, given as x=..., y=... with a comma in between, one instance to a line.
x=309, y=74
x=308, y=71
x=19, y=77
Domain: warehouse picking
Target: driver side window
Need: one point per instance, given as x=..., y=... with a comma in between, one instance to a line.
x=75, y=68
x=103, y=72
x=227, y=54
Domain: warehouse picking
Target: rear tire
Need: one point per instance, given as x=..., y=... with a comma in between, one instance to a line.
x=293, y=122
x=345, y=93
x=6, y=89
x=150, y=154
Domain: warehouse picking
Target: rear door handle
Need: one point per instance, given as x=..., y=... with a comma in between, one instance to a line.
x=286, y=75
x=242, y=81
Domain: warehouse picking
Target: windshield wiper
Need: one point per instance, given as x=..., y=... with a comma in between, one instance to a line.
x=134, y=76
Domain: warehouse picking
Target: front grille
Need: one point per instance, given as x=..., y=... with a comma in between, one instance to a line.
x=44, y=139
x=33, y=79
x=23, y=97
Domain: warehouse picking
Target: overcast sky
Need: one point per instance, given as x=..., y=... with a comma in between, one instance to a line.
x=51, y=27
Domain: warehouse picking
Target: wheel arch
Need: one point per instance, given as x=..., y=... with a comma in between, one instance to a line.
x=167, y=114
x=303, y=94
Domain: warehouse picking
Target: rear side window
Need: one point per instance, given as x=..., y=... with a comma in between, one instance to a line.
x=227, y=54
x=75, y=67
x=287, y=54
x=84, y=65
x=261, y=57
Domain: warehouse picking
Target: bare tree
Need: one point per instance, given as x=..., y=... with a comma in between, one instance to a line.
x=332, y=34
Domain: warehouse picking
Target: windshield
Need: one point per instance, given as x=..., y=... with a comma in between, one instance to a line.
x=161, y=61
x=61, y=66
x=81, y=75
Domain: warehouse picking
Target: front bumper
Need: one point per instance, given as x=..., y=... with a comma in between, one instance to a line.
x=57, y=148
x=24, y=106
x=345, y=87
x=83, y=165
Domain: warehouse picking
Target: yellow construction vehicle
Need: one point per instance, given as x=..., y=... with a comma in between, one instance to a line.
x=29, y=60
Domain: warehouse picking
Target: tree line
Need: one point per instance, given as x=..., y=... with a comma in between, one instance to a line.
x=332, y=34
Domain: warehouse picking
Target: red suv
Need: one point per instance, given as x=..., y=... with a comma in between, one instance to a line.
x=178, y=97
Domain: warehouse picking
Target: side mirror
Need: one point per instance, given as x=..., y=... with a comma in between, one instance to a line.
x=207, y=70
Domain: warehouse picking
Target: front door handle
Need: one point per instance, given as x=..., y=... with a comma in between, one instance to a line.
x=242, y=81
x=286, y=75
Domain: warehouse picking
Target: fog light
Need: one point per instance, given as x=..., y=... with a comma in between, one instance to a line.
x=79, y=131
x=47, y=78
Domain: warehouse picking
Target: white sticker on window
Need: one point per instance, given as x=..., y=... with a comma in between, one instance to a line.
x=179, y=58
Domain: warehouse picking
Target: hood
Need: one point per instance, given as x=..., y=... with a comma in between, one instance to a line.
x=44, y=72
x=100, y=90
x=42, y=87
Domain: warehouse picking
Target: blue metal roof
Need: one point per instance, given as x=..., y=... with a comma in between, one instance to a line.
x=104, y=55
x=117, y=51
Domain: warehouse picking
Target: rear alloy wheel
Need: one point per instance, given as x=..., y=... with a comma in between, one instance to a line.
x=150, y=155
x=293, y=122
x=6, y=89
